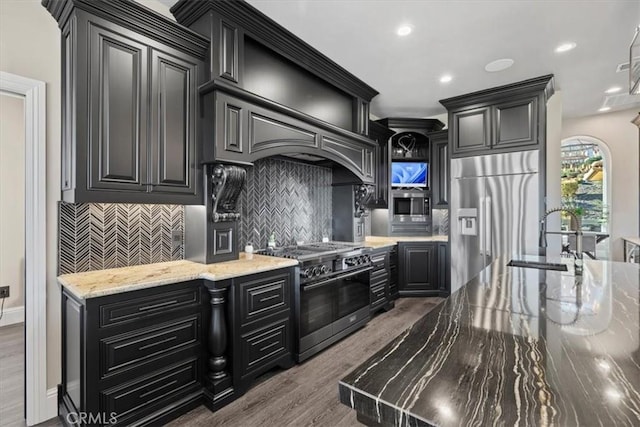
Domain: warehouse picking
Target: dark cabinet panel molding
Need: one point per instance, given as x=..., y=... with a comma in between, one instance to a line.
x=245, y=127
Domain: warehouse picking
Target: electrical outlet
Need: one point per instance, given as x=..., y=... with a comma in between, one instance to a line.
x=4, y=292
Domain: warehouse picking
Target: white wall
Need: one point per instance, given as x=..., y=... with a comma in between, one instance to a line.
x=30, y=47
x=553, y=170
x=12, y=191
x=621, y=136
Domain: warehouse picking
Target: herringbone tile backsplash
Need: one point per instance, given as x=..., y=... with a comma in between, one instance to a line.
x=287, y=198
x=95, y=236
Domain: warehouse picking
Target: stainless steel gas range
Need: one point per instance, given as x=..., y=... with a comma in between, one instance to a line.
x=332, y=299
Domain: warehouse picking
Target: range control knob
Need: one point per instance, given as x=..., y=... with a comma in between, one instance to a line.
x=324, y=269
x=306, y=273
x=316, y=271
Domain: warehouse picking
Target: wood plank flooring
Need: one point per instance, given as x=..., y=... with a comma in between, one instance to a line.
x=307, y=394
x=12, y=378
x=11, y=375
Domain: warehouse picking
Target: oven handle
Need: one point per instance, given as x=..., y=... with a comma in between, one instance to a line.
x=332, y=279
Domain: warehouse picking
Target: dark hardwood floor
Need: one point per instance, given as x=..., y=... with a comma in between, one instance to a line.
x=307, y=394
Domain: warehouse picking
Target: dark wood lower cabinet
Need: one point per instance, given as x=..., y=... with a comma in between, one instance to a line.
x=132, y=358
x=379, y=281
x=147, y=356
x=423, y=269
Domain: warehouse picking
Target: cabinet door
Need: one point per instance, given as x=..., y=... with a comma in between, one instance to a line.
x=471, y=130
x=440, y=171
x=515, y=123
x=444, y=271
x=417, y=274
x=118, y=90
x=173, y=123
x=381, y=135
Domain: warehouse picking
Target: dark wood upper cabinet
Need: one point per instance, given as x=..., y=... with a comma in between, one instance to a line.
x=515, y=123
x=173, y=123
x=130, y=79
x=471, y=130
x=440, y=163
x=118, y=110
x=381, y=134
x=502, y=119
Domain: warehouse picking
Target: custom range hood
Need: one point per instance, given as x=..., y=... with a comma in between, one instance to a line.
x=271, y=94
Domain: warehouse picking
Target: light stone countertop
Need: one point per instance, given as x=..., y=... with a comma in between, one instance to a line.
x=376, y=242
x=92, y=284
x=632, y=240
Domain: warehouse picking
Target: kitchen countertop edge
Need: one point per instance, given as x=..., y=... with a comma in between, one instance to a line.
x=124, y=278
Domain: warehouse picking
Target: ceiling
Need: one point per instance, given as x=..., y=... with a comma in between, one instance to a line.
x=459, y=38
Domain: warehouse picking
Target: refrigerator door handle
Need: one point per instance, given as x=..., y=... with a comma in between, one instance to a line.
x=481, y=228
x=487, y=226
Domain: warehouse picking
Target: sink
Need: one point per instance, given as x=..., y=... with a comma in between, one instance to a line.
x=537, y=265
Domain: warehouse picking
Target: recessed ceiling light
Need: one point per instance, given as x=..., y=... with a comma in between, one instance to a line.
x=498, y=65
x=613, y=89
x=404, y=30
x=446, y=78
x=603, y=109
x=565, y=47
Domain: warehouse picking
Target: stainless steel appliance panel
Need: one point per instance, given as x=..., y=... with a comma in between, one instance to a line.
x=467, y=257
x=512, y=215
x=494, y=211
x=496, y=164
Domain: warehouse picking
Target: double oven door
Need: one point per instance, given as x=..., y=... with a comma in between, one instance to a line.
x=329, y=307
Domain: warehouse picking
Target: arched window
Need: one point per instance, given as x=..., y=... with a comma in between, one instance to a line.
x=586, y=185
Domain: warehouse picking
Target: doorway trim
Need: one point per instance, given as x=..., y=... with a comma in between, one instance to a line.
x=34, y=93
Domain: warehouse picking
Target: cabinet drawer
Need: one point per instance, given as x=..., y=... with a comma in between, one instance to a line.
x=127, y=399
x=377, y=295
x=379, y=281
x=127, y=351
x=130, y=310
x=376, y=274
x=263, y=297
x=261, y=346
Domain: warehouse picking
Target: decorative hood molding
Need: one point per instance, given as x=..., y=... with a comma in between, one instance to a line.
x=247, y=127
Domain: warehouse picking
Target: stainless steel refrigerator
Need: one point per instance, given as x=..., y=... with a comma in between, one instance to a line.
x=495, y=210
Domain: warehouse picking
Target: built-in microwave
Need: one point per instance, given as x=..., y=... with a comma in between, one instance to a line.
x=410, y=206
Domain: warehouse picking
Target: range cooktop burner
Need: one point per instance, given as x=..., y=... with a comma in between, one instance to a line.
x=313, y=250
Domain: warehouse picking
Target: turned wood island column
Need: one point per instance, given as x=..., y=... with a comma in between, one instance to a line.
x=218, y=381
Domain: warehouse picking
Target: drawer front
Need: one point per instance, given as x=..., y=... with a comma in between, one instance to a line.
x=378, y=275
x=127, y=399
x=127, y=351
x=377, y=295
x=264, y=345
x=131, y=310
x=263, y=297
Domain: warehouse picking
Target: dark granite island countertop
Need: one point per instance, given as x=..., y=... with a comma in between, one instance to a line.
x=515, y=346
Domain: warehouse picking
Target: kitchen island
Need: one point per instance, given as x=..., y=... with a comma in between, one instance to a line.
x=515, y=346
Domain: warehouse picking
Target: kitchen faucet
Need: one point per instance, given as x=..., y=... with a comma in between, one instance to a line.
x=542, y=242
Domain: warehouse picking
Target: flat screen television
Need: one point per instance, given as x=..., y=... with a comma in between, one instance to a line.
x=409, y=174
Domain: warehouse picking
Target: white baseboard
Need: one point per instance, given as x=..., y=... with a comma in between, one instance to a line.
x=12, y=316
x=52, y=403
